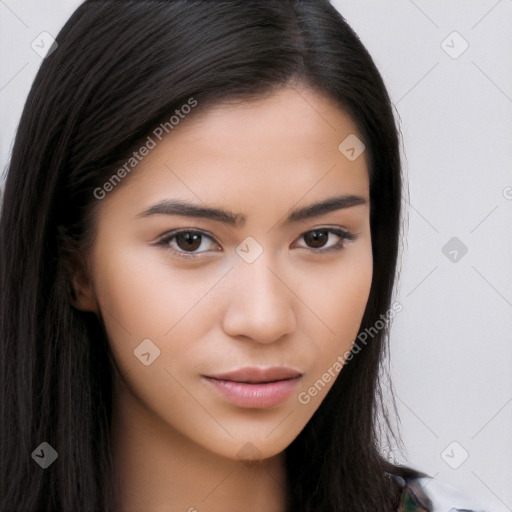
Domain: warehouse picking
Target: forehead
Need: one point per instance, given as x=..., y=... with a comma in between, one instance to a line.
x=296, y=116
x=275, y=149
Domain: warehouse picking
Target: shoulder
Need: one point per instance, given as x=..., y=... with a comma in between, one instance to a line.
x=425, y=494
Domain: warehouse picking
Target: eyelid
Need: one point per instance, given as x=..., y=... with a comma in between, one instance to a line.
x=344, y=235
x=164, y=239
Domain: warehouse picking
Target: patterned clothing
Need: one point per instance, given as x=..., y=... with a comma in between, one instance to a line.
x=424, y=494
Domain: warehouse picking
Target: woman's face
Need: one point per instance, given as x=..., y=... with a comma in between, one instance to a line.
x=268, y=279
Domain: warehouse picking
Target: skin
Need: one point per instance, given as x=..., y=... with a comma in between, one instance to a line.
x=176, y=440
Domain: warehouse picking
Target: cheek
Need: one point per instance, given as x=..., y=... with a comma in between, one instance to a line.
x=149, y=307
x=340, y=291
x=340, y=297
x=143, y=297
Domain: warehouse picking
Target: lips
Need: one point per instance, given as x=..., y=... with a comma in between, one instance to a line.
x=255, y=388
x=258, y=375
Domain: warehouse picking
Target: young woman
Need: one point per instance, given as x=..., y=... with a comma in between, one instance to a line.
x=201, y=220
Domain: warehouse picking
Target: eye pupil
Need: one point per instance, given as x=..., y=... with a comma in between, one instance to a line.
x=192, y=241
x=317, y=237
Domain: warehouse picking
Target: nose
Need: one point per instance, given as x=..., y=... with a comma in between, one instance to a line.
x=261, y=304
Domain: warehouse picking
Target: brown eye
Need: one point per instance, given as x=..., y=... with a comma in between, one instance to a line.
x=317, y=238
x=188, y=241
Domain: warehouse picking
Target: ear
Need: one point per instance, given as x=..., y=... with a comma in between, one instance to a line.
x=82, y=292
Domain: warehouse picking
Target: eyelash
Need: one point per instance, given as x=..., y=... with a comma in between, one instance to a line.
x=345, y=236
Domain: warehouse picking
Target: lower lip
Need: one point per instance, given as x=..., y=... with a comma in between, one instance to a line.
x=255, y=395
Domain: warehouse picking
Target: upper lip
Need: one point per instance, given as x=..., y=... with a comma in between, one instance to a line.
x=258, y=375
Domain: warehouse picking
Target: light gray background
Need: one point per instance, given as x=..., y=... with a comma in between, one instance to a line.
x=451, y=344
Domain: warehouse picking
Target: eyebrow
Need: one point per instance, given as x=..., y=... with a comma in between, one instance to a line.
x=177, y=207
